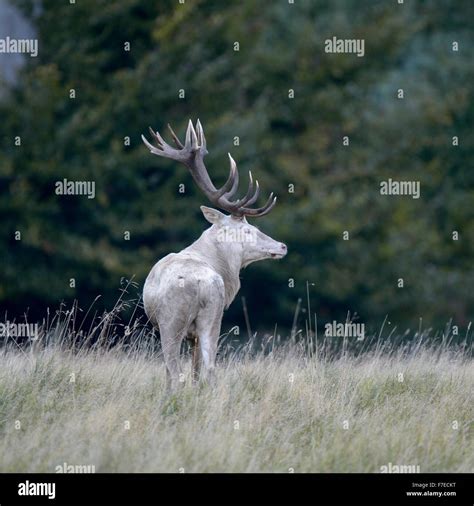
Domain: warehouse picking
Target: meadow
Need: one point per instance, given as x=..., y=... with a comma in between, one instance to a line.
x=280, y=409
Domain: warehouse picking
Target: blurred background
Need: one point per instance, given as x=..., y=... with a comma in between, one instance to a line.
x=282, y=107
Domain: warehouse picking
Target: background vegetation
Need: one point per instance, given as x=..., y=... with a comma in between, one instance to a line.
x=284, y=141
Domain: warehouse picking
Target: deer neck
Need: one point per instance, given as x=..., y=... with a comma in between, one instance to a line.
x=226, y=263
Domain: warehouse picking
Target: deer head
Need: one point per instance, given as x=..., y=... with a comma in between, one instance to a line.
x=235, y=237
x=230, y=233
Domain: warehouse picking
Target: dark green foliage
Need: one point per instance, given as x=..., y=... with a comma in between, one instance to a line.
x=284, y=141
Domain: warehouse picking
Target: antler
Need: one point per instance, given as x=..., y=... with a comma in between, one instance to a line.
x=192, y=155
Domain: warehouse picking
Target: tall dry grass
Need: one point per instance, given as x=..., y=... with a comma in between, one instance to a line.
x=275, y=411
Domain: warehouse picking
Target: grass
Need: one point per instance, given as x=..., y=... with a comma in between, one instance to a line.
x=267, y=412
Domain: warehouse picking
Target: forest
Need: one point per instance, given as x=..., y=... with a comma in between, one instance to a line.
x=323, y=130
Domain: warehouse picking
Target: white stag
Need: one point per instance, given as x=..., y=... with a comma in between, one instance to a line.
x=185, y=293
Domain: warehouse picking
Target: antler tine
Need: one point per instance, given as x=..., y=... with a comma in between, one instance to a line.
x=240, y=203
x=233, y=175
x=191, y=142
x=261, y=211
x=235, y=183
x=201, y=136
x=175, y=137
x=249, y=199
x=152, y=148
x=255, y=196
x=266, y=211
x=156, y=135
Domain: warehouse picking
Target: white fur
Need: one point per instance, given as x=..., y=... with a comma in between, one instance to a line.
x=186, y=293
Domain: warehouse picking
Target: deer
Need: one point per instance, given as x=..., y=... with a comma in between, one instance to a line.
x=185, y=294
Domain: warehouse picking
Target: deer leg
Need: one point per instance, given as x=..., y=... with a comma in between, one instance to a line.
x=196, y=361
x=209, y=352
x=208, y=341
x=208, y=322
x=171, y=345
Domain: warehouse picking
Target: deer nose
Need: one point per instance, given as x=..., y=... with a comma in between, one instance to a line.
x=283, y=248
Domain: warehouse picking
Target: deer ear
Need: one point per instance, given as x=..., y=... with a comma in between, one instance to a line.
x=212, y=215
